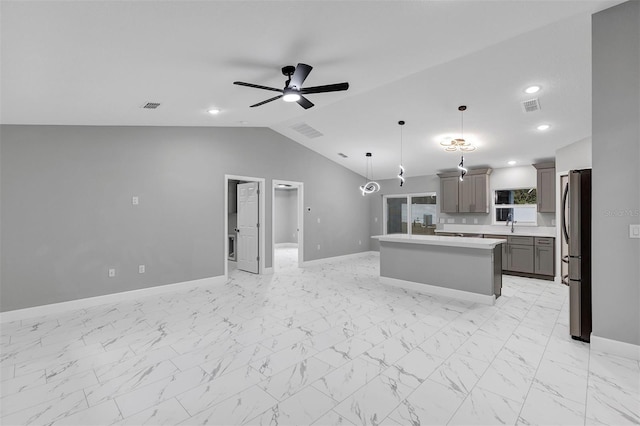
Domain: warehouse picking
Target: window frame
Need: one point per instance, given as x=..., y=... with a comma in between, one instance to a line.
x=495, y=207
x=407, y=197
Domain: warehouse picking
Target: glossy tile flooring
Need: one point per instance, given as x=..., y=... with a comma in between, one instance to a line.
x=323, y=345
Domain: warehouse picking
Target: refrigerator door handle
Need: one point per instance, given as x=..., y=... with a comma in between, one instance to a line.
x=565, y=231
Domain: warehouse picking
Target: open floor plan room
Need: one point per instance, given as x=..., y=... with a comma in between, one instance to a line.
x=325, y=345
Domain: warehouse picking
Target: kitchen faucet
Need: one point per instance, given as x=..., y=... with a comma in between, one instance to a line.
x=510, y=219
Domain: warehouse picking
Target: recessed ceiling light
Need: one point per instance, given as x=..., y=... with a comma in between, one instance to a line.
x=532, y=89
x=543, y=127
x=512, y=163
x=214, y=111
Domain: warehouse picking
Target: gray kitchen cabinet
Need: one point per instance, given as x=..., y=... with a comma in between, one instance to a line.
x=520, y=254
x=448, y=196
x=468, y=196
x=520, y=258
x=546, y=187
x=474, y=194
x=544, y=256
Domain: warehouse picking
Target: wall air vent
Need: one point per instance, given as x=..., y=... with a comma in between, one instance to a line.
x=342, y=155
x=531, y=105
x=151, y=105
x=305, y=129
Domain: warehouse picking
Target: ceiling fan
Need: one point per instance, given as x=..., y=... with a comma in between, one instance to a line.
x=293, y=90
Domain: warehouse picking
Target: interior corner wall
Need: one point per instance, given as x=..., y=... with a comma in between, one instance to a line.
x=66, y=212
x=616, y=172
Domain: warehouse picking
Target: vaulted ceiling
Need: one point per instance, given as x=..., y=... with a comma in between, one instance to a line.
x=98, y=62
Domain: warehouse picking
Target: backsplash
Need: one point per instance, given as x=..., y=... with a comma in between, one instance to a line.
x=544, y=219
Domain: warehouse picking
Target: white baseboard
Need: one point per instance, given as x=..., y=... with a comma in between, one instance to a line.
x=615, y=347
x=337, y=258
x=439, y=291
x=55, y=308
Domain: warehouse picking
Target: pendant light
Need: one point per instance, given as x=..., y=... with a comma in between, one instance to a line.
x=401, y=174
x=462, y=169
x=370, y=186
x=459, y=144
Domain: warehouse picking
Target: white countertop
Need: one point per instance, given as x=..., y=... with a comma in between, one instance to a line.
x=435, y=240
x=533, y=231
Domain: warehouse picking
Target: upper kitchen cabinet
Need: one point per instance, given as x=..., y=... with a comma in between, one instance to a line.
x=546, y=187
x=468, y=196
x=449, y=194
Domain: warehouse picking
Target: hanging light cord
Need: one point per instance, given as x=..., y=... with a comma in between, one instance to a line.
x=401, y=174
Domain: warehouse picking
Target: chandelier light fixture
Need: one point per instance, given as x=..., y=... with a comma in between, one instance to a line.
x=370, y=186
x=459, y=144
x=401, y=174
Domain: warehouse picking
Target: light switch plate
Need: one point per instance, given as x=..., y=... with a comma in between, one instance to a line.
x=134, y=200
x=634, y=231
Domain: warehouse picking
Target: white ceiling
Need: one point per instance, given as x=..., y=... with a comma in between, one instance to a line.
x=98, y=62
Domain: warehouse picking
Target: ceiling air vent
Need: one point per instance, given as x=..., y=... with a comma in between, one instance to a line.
x=306, y=130
x=151, y=105
x=342, y=155
x=531, y=105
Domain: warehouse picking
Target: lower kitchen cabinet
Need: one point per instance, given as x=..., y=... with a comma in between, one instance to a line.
x=527, y=255
x=544, y=261
x=520, y=258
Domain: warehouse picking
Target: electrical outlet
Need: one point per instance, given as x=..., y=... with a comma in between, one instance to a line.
x=634, y=231
x=359, y=242
x=318, y=220
x=134, y=200
x=318, y=246
x=141, y=269
x=112, y=273
x=464, y=220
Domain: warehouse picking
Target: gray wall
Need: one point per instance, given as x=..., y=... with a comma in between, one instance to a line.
x=574, y=156
x=66, y=212
x=286, y=216
x=616, y=172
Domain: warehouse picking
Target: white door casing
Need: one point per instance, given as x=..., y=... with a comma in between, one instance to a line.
x=247, y=239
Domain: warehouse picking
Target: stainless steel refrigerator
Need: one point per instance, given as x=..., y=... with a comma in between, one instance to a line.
x=576, y=230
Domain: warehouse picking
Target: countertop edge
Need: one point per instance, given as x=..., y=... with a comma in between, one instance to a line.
x=464, y=242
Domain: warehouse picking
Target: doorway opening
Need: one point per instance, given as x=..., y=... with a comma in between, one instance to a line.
x=244, y=242
x=287, y=224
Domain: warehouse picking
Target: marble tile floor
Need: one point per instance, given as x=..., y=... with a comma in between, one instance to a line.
x=320, y=345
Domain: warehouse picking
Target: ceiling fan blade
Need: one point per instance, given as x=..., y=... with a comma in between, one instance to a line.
x=300, y=75
x=264, y=102
x=326, y=88
x=257, y=86
x=304, y=102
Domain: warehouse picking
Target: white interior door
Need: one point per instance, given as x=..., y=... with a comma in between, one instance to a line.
x=247, y=239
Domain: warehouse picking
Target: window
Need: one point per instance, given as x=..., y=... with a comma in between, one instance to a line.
x=515, y=204
x=419, y=210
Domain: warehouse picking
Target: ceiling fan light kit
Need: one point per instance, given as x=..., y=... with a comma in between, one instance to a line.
x=293, y=90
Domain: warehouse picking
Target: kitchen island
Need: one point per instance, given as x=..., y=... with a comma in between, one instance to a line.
x=459, y=267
